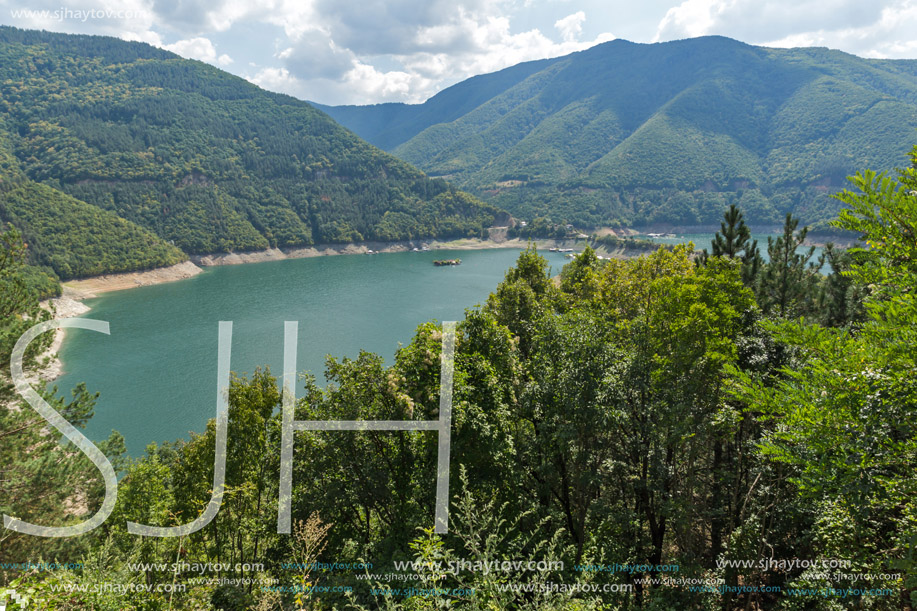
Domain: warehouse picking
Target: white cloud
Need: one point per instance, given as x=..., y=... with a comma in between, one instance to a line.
x=882, y=28
x=378, y=50
x=571, y=26
x=889, y=36
x=148, y=36
x=381, y=86
x=316, y=55
x=410, y=59
x=199, y=48
x=274, y=79
x=690, y=18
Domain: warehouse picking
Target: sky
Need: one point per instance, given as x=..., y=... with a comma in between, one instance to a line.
x=343, y=52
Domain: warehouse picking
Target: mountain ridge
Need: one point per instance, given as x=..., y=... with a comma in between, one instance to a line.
x=631, y=133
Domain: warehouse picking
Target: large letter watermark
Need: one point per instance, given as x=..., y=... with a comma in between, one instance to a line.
x=68, y=430
x=219, y=451
x=289, y=425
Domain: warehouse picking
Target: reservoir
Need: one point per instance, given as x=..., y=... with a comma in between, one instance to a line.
x=157, y=371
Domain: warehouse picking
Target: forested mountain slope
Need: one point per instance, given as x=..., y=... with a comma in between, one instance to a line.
x=185, y=158
x=673, y=132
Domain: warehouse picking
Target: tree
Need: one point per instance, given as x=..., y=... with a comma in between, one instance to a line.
x=580, y=277
x=734, y=240
x=523, y=296
x=19, y=308
x=787, y=280
x=840, y=298
x=848, y=410
x=574, y=374
x=41, y=479
x=734, y=237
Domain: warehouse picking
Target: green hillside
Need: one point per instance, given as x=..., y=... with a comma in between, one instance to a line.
x=670, y=132
x=69, y=238
x=125, y=156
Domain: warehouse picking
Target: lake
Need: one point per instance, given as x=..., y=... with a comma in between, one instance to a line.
x=156, y=372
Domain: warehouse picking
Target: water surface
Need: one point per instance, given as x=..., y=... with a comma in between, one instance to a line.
x=157, y=370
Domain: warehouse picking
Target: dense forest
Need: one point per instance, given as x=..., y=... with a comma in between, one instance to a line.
x=665, y=432
x=674, y=132
x=148, y=157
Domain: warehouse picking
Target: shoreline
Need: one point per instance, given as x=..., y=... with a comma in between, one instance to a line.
x=50, y=366
x=370, y=247
x=70, y=303
x=88, y=288
x=815, y=237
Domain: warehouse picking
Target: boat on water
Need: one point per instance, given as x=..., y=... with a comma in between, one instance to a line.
x=442, y=262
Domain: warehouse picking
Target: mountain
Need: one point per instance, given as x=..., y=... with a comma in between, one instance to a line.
x=626, y=133
x=117, y=155
x=68, y=238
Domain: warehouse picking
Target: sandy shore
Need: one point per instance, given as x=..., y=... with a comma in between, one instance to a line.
x=87, y=288
x=362, y=248
x=74, y=291
x=49, y=364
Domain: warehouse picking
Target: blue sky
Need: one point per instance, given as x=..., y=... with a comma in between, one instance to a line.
x=339, y=52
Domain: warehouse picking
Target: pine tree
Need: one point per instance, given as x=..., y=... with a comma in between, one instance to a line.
x=787, y=280
x=733, y=236
x=734, y=240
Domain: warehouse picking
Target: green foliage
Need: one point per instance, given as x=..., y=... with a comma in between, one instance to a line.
x=580, y=277
x=733, y=240
x=41, y=479
x=21, y=287
x=847, y=408
x=41, y=281
x=632, y=412
x=734, y=237
x=106, y=139
x=786, y=283
x=670, y=133
x=540, y=227
x=76, y=239
x=841, y=299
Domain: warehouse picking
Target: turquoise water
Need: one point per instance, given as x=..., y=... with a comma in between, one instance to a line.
x=157, y=370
